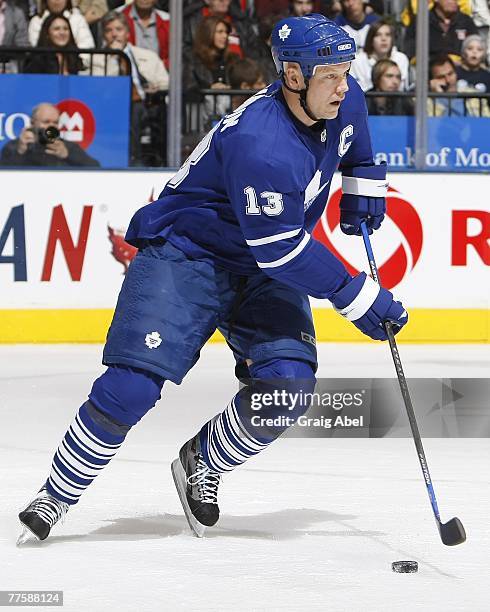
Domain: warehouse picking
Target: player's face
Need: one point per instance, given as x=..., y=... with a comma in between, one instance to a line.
x=383, y=42
x=59, y=33
x=327, y=89
x=473, y=54
x=220, y=36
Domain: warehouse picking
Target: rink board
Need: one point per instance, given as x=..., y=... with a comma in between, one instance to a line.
x=63, y=258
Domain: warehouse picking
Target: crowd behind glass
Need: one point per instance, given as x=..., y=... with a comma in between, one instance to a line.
x=226, y=46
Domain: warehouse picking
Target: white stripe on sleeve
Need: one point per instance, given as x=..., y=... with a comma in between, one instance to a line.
x=273, y=238
x=362, y=302
x=291, y=255
x=375, y=188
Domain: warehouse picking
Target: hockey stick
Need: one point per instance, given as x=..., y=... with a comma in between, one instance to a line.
x=452, y=532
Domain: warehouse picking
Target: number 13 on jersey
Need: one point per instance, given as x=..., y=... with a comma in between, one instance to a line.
x=272, y=207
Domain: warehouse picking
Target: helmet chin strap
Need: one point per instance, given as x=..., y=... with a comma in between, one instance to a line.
x=302, y=98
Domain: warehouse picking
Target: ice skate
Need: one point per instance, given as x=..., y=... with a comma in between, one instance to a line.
x=43, y=512
x=197, y=487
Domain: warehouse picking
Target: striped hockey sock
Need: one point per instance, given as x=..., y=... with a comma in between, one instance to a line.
x=225, y=443
x=84, y=451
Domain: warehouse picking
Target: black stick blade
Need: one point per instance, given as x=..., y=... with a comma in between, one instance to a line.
x=452, y=532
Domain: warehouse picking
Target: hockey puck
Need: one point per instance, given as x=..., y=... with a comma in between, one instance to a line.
x=405, y=567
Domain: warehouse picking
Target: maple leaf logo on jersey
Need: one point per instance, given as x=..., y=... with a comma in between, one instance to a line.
x=284, y=32
x=313, y=189
x=122, y=252
x=153, y=340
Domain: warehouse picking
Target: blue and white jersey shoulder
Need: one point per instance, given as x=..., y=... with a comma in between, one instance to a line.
x=253, y=189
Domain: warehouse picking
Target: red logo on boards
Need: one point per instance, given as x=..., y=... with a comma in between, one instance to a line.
x=122, y=252
x=406, y=219
x=77, y=122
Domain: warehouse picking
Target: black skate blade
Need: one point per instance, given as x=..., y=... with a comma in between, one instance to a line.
x=178, y=474
x=452, y=532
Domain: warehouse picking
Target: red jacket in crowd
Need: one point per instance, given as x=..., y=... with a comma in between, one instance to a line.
x=163, y=31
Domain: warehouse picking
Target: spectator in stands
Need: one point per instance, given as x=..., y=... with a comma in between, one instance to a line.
x=298, y=8
x=212, y=57
x=242, y=40
x=264, y=8
x=386, y=77
x=147, y=69
x=245, y=74
x=443, y=79
x=375, y=6
x=150, y=81
x=210, y=66
x=481, y=16
x=472, y=71
x=331, y=8
x=35, y=148
x=264, y=55
x=92, y=10
x=13, y=25
x=379, y=45
x=57, y=35
x=448, y=27
x=149, y=28
x=28, y=7
x=355, y=20
x=409, y=13
x=79, y=27
x=13, y=33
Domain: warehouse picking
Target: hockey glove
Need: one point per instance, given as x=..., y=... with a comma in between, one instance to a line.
x=364, y=191
x=368, y=305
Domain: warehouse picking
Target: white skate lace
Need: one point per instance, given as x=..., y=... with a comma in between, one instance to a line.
x=207, y=482
x=49, y=509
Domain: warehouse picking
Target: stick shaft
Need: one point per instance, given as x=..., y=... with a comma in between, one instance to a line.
x=403, y=384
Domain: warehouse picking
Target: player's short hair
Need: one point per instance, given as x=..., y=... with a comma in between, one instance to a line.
x=114, y=16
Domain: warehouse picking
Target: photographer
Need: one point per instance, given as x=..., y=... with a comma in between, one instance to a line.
x=41, y=145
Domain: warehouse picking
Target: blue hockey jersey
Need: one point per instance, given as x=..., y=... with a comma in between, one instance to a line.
x=252, y=191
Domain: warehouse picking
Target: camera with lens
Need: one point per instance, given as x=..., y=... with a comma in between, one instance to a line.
x=47, y=135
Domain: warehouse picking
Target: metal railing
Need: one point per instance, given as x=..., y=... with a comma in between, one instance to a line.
x=201, y=114
x=21, y=56
x=481, y=107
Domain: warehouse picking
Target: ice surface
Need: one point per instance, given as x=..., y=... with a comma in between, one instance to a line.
x=307, y=525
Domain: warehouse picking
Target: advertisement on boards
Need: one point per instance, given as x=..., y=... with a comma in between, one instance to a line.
x=62, y=237
x=454, y=143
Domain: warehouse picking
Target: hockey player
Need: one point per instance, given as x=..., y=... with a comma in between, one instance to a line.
x=227, y=245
